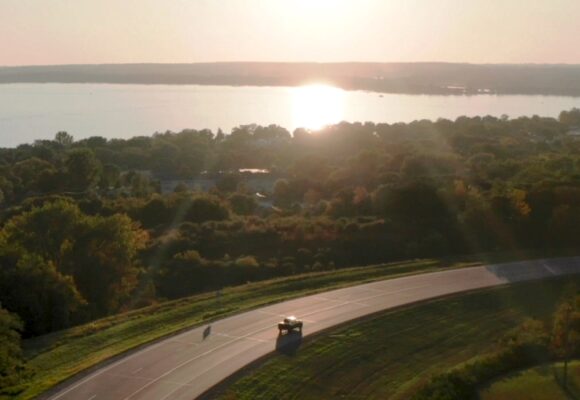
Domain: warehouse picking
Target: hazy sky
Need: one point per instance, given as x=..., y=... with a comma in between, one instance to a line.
x=124, y=31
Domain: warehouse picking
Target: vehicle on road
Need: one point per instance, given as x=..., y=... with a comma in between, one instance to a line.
x=289, y=324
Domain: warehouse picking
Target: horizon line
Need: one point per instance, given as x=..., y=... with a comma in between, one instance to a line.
x=291, y=62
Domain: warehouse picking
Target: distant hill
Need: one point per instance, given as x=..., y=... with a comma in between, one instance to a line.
x=415, y=78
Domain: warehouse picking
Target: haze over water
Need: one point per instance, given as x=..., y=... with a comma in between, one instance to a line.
x=37, y=111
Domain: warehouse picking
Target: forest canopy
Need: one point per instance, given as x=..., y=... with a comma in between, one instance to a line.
x=93, y=227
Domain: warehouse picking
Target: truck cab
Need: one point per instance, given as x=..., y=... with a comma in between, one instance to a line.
x=290, y=324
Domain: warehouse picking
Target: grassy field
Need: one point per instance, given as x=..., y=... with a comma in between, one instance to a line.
x=56, y=357
x=390, y=355
x=540, y=383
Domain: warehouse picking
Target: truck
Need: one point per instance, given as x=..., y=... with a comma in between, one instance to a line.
x=289, y=324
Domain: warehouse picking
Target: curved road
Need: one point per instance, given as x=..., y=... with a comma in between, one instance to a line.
x=187, y=365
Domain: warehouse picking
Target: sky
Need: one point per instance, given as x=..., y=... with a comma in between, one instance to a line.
x=41, y=32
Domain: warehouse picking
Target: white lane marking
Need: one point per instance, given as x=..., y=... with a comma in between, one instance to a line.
x=137, y=353
x=395, y=292
x=142, y=378
x=270, y=313
x=402, y=280
x=327, y=308
x=137, y=370
x=269, y=327
x=193, y=359
x=382, y=293
x=140, y=352
x=341, y=301
x=149, y=348
x=369, y=289
x=147, y=379
x=185, y=343
x=358, y=303
x=285, y=315
x=327, y=299
x=191, y=382
x=102, y=371
x=92, y=397
x=364, y=299
x=240, y=337
x=550, y=269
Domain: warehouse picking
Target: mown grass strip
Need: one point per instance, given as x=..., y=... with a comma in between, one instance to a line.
x=54, y=358
x=539, y=383
x=391, y=355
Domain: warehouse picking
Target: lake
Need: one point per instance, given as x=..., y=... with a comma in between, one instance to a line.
x=37, y=111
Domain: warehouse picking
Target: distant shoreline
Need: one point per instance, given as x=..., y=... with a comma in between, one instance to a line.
x=448, y=93
x=387, y=78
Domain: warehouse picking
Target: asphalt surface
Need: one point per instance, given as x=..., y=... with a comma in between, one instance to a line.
x=187, y=365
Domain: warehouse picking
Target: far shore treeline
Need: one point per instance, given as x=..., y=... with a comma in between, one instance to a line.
x=412, y=78
x=94, y=227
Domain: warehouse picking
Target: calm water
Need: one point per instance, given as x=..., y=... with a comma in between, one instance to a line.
x=38, y=111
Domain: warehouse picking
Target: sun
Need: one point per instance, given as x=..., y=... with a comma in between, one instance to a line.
x=327, y=6
x=315, y=106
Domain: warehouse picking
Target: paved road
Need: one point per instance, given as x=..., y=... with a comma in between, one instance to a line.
x=186, y=365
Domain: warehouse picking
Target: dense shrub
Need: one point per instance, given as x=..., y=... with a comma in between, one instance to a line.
x=526, y=346
x=10, y=352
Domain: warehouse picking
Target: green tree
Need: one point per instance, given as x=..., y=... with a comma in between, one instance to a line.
x=196, y=208
x=98, y=253
x=10, y=351
x=566, y=331
x=63, y=138
x=243, y=204
x=102, y=261
x=46, y=231
x=282, y=195
x=111, y=176
x=45, y=299
x=229, y=183
x=83, y=170
x=6, y=186
x=185, y=274
x=181, y=188
x=34, y=174
x=155, y=212
x=140, y=184
x=570, y=118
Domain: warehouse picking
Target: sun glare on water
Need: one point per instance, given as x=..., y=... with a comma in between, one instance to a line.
x=315, y=106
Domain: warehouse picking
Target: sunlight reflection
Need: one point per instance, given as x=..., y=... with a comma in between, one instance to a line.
x=316, y=106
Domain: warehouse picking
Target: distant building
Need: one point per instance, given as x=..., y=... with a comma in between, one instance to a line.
x=574, y=131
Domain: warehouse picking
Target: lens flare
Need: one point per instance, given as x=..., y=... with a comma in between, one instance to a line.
x=315, y=106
